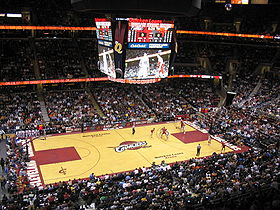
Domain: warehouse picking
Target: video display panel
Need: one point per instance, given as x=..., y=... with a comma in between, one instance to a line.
x=106, y=61
x=146, y=64
x=236, y=1
x=147, y=30
x=240, y=1
x=103, y=29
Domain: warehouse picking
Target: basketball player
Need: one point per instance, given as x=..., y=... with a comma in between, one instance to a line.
x=42, y=132
x=41, y=129
x=223, y=147
x=160, y=66
x=198, y=148
x=165, y=132
x=82, y=129
x=152, y=132
x=183, y=126
x=210, y=132
x=144, y=66
x=209, y=139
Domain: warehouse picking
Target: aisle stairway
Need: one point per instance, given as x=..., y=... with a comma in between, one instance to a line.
x=254, y=92
x=256, y=89
x=94, y=102
x=142, y=101
x=222, y=93
x=43, y=108
x=3, y=154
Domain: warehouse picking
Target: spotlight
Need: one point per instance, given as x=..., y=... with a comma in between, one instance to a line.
x=228, y=7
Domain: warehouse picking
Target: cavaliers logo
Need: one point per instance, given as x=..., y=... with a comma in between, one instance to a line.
x=62, y=171
x=131, y=145
x=118, y=47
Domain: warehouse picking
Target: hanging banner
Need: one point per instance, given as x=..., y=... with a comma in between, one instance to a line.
x=119, y=49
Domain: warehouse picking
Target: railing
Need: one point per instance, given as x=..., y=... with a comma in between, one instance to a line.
x=98, y=79
x=178, y=31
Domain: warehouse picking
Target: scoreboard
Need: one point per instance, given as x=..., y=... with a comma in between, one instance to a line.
x=103, y=29
x=149, y=31
x=132, y=48
x=240, y=1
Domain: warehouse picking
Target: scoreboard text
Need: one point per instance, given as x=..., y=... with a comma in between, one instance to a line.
x=103, y=29
x=145, y=30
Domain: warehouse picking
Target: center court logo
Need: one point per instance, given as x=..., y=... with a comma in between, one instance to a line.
x=131, y=145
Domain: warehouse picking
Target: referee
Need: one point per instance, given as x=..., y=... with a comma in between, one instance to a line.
x=198, y=148
x=133, y=129
x=82, y=129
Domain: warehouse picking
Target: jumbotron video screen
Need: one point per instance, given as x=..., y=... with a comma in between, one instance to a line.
x=106, y=61
x=145, y=50
x=148, y=53
x=146, y=64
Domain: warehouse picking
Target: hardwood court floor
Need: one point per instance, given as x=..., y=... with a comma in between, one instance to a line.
x=73, y=156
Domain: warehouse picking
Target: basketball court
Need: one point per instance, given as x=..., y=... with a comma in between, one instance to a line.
x=76, y=156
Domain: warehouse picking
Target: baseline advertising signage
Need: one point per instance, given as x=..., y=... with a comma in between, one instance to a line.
x=105, y=43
